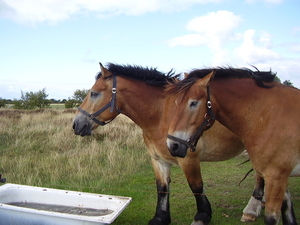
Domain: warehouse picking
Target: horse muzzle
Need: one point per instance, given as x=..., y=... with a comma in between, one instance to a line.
x=82, y=125
x=176, y=148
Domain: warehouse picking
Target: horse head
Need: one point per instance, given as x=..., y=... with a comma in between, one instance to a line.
x=193, y=114
x=99, y=106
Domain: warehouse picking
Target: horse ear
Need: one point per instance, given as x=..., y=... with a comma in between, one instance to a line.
x=104, y=71
x=185, y=75
x=205, y=80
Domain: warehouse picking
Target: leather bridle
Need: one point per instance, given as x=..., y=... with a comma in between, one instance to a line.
x=206, y=124
x=111, y=105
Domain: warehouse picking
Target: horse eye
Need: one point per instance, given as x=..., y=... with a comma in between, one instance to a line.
x=193, y=104
x=94, y=94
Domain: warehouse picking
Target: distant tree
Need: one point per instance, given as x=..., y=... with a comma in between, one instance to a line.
x=79, y=95
x=76, y=99
x=2, y=103
x=9, y=101
x=53, y=101
x=31, y=100
x=288, y=83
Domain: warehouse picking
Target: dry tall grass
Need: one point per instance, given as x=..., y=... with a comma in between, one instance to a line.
x=39, y=148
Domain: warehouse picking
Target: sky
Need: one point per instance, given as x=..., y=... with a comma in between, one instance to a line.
x=58, y=44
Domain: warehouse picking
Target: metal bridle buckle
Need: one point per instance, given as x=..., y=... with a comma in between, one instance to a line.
x=190, y=144
x=208, y=104
x=207, y=117
x=114, y=90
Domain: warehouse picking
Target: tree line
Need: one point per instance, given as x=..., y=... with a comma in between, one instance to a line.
x=39, y=99
x=33, y=100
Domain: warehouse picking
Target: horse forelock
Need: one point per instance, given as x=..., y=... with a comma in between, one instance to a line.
x=149, y=75
x=180, y=86
x=98, y=75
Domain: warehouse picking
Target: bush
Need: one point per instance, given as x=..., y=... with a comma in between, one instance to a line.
x=2, y=103
x=32, y=100
x=69, y=104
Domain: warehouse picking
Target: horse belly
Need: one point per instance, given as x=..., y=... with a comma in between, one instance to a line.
x=219, y=144
x=219, y=151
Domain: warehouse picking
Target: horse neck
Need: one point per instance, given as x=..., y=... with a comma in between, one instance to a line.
x=143, y=103
x=239, y=103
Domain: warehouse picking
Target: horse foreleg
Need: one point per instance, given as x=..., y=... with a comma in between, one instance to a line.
x=162, y=174
x=287, y=210
x=275, y=187
x=191, y=168
x=254, y=206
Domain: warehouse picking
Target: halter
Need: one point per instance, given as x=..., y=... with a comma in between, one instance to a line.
x=111, y=105
x=209, y=115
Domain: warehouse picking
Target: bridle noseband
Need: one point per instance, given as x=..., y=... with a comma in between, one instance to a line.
x=111, y=105
x=208, y=116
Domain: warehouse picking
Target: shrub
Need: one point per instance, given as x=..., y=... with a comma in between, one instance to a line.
x=31, y=100
x=69, y=104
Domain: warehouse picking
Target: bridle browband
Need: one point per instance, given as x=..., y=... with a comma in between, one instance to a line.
x=111, y=105
x=209, y=115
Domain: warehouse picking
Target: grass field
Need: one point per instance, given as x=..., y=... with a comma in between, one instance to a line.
x=39, y=148
x=57, y=106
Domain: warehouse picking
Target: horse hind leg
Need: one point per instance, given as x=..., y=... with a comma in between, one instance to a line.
x=255, y=204
x=253, y=209
x=276, y=198
x=287, y=210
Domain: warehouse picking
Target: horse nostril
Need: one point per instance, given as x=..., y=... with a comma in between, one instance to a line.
x=175, y=147
x=74, y=125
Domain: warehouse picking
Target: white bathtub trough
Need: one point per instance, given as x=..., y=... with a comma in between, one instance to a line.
x=28, y=205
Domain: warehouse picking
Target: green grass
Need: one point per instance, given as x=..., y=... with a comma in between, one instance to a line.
x=57, y=106
x=227, y=198
x=39, y=148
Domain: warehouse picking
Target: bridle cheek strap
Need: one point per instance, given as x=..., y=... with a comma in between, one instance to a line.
x=111, y=105
x=209, y=117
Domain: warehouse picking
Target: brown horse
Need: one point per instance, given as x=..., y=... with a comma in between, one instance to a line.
x=139, y=94
x=259, y=110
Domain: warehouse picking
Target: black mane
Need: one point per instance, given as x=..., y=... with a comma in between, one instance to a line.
x=149, y=75
x=260, y=77
x=223, y=73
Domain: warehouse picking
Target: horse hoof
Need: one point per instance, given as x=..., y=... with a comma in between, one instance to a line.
x=198, y=223
x=248, y=218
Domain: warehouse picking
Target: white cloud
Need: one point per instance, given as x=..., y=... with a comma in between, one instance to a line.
x=214, y=23
x=250, y=53
x=33, y=11
x=211, y=29
x=266, y=40
x=267, y=1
